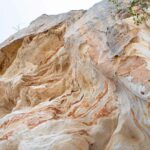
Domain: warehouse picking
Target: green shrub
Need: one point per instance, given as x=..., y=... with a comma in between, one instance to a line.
x=136, y=8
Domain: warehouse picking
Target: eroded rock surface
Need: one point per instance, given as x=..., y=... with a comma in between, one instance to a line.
x=76, y=81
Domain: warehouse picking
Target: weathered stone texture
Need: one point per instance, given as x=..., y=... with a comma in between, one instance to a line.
x=76, y=81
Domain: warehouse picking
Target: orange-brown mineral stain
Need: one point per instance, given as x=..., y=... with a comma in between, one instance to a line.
x=87, y=105
x=102, y=113
x=31, y=124
x=12, y=120
x=25, y=117
x=6, y=136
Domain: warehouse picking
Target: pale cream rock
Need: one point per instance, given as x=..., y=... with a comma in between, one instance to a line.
x=76, y=81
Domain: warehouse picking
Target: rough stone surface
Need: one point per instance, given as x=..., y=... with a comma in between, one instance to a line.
x=76, y=81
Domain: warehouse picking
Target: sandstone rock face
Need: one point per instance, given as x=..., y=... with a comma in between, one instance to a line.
x=76, y=81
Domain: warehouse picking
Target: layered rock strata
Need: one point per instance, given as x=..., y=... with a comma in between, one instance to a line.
x=76, y=81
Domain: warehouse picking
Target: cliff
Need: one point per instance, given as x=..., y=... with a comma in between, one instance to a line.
x=76, y=81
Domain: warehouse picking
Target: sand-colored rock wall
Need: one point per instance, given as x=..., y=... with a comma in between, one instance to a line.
x=76, y=81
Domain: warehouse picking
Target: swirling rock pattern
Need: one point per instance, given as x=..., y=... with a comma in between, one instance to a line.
x=76, y=81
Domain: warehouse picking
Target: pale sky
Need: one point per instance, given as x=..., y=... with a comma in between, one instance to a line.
x=15, y=14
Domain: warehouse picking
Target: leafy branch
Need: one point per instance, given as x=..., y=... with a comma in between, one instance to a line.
x=136, y=8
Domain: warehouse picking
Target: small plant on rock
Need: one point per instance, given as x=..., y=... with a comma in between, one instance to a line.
x=136, y=8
